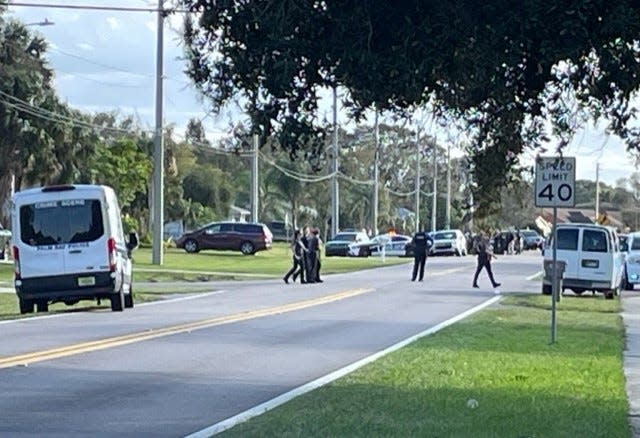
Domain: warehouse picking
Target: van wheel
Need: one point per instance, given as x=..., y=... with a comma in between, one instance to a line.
x=247, y=248
x=26, y=306
x=128, y=298
x=546, y=289
x=117, y=301
x=43, y=305
x=191, y=246
x=609, y=294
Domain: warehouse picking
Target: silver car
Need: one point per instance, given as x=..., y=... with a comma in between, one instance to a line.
x=632, y=261
x=450, y=242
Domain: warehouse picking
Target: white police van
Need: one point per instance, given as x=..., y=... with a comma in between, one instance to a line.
x=593, y=259
x=69, y=245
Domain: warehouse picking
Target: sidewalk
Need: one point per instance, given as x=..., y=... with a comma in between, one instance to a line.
x=631, y=318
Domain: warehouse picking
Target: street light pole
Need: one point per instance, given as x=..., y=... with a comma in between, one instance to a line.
x=435, y=187
x=447, y=220
x=158, y=155
x=375, y=176
x=417, y=185
x=335, y=191
x=254, y=179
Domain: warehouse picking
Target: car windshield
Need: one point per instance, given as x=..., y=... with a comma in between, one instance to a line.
x=530, y=234
x=445, y=236
x=635, y=243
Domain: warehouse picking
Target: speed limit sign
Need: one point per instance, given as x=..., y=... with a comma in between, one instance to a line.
x=555, y=182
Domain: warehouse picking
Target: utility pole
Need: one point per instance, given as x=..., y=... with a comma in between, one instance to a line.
x=597, y=191
x=447, y=220
x=335, y=189
x=254, y=180
x=158, y=155
x=435, y=187
x=417, y=185
x=375, y=176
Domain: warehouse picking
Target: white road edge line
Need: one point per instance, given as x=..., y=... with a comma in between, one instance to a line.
x=531, y=277
x=314, y=384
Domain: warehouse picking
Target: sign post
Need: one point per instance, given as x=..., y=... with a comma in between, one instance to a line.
x=555, y=187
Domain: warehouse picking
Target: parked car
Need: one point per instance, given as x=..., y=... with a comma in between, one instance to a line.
x=632, y=261
x=531, y=239
x=248, y=238
x=451, y=242
x=339, y=244
x=281, y=231
x=592, y=257
x=394, y=245
x=5, y=236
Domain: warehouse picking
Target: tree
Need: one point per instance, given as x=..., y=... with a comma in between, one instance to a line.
x=505, y=69
x=25, y=77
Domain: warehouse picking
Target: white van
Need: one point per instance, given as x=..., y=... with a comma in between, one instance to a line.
x=69, y=245
x=592, y=256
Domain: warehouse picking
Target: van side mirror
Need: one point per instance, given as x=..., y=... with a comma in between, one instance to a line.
x=133, y=241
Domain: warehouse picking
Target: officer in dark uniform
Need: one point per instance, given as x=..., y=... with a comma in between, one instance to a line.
x=485, y=254
x=421, y=244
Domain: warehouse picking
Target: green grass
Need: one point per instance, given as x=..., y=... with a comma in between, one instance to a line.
x=208, y=265
x=502, y=358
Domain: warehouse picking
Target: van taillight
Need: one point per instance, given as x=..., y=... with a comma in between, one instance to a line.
x=111, y=248
x=16, y=262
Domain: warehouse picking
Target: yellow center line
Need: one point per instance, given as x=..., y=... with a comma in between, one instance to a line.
x=102, y=344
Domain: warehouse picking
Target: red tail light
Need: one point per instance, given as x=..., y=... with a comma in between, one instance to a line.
x=111, y=248
x=16, y=262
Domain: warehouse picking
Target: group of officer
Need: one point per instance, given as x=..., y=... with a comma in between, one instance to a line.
x=422, y=242
x=306, y=247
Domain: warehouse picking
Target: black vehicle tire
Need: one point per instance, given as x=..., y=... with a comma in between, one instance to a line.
x=128, y=298
x=609, y=294
x=625, y=283
x=546, y=289
x=117, y=301
x=577, y=291
x=247, y=248
x=191, y=246
x=365, y=252
x=42, y=306
x=26, y=306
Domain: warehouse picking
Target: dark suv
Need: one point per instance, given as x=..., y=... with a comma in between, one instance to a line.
x=248, y=238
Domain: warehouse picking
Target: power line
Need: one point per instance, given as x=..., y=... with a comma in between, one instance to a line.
x=93, y=7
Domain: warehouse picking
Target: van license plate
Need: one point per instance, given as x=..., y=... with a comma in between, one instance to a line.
x=86, y=281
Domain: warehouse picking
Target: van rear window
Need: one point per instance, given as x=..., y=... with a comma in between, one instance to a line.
x=568, y=239
x=60, y=222
x=594, y=241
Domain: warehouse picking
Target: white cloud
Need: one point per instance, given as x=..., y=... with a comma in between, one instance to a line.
x=113, y=22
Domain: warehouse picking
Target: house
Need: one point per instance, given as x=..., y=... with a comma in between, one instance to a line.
x=581, y=215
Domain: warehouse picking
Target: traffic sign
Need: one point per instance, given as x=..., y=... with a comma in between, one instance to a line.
x=555, y=182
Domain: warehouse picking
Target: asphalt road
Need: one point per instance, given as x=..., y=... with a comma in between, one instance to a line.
x=171, y=368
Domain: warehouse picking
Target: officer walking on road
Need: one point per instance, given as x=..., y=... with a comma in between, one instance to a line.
x=485, y=254
x=421, y=244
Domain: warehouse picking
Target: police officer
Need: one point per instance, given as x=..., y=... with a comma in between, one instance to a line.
x=485, y=254
x=421, y=244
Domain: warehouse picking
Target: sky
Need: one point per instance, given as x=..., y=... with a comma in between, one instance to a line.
x=106, y=61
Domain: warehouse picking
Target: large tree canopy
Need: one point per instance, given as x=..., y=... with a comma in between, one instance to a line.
x=508, y=67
